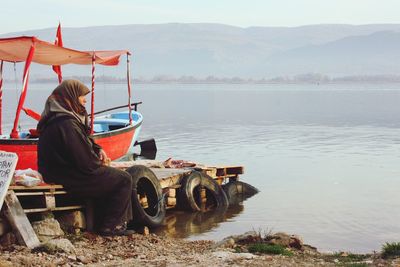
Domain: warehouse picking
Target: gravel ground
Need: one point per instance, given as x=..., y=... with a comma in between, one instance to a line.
x=152, y=250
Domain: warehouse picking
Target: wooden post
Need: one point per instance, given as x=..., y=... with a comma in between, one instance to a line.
x=171, y=192
x=171, y=201
x=143, y=201
x=50, y=201
x=203, y=195
x=19, y=222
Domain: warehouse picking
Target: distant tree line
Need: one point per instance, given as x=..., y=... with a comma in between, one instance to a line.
x=188, y=79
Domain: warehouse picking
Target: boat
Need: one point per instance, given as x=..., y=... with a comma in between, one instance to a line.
x=116, y=132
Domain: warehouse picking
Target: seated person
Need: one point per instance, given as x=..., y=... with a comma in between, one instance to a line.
x=67, y=155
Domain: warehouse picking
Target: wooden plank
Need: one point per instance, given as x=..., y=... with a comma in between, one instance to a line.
x=234, y=170
x=39, y=187
x=126, y=164
x=228, y=170
x=167, y=173
x=40, y=193
x=170, y=177
x=36, y=210
x=19, y=222
x=76, y=207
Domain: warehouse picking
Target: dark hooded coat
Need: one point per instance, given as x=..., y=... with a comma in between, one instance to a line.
x=67, y=155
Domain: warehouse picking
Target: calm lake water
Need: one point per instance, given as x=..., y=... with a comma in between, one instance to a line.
x=326, y=158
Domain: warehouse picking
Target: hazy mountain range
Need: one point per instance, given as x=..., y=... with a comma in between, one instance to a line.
x=200, y=50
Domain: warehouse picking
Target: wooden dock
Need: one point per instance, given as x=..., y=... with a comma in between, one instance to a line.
x=54, y=198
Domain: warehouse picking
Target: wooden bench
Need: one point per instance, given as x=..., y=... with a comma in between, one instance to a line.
x=44, y=198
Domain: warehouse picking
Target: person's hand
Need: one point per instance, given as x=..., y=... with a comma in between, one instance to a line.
x=103, y=157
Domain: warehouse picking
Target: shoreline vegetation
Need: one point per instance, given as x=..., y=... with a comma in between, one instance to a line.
x=308, y=78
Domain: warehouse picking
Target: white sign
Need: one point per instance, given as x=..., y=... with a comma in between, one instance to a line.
x=8, y=161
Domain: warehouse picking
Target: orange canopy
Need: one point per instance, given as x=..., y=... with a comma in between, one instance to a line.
x=17, y=49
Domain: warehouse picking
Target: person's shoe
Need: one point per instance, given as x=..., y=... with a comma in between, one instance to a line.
x=117, y=231
x=125, y=232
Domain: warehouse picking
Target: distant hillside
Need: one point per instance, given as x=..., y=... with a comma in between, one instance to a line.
x=225, y=51
x=377, y=53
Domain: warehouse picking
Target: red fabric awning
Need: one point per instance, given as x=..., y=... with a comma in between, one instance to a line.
x=16, y=50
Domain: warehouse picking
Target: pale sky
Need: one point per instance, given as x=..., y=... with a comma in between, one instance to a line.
x=20, y=15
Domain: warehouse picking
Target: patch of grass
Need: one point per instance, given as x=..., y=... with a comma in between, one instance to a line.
x=269, y=249
x=356, y=265
x=391, y=250
x=347, y=259
x=238, y=250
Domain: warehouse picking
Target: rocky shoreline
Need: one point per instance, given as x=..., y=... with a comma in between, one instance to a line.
x=151, y=250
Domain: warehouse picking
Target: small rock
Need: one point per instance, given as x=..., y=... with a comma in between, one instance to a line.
x=228, y=242
x=6, y=263
x=247, y=256
x=59, y=262
x=59, y=245
x=296, y=242
x=47, y=229
x=281, y=239
x=226, y=255
x=269, y=258
x=83, y=259
x=72, y=257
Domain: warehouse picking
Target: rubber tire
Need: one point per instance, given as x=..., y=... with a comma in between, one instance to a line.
x=190, y=182
x=238, y=191
x=145, y=181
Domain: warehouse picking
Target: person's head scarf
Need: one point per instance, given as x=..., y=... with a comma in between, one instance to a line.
x=65, y=99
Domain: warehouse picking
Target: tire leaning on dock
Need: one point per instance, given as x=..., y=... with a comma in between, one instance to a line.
x=146, y=184
x=238, y=191
x=189, y=196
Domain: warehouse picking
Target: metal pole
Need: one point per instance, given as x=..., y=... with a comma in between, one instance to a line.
x=14, y=132
x=92, y=100
x=128, y=76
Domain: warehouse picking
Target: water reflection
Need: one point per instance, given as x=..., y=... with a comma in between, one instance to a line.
x=182, y=224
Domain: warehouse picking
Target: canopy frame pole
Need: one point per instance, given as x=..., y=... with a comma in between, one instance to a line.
x=25, y=81
x=128, y=77
x=92, y=99
x=1, y=96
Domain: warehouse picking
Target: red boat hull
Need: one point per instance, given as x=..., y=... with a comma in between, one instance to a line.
x=116, y=144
